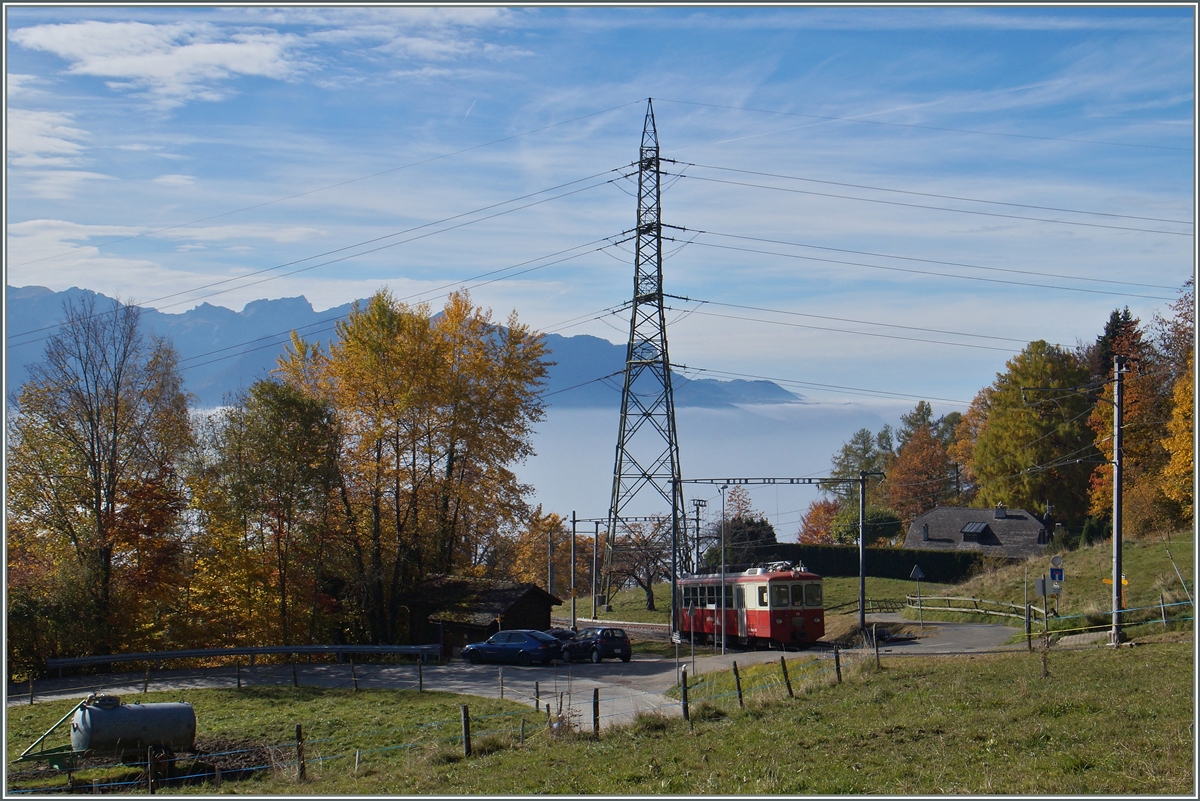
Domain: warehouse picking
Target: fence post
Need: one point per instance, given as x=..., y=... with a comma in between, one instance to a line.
x=537, y=695
x=295, y=678
x=1161, y=605
x=95, y=787
x=1028, y=630
x=683, y=689
x=737, y=680
x=238, y=663
x=300, y=773
x=357, y=759
x=466, y=730
x=875, y=642
x=596, y=712
x=146, y=681
x=150, y=769
x=217, y=779
x=500, y=673
x=522, y=731
x=837, y=663
x=547, y=714
x=31, y=688
x=786, y=679
x=353, y=674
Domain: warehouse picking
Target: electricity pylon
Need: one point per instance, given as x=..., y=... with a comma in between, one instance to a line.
x=647, y=448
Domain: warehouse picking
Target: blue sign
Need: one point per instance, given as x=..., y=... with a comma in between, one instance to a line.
x=1056, y=574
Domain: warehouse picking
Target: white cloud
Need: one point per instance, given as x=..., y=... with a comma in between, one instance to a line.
x=220, y=233
x=61, y=184
x=175, y=180
x=17, y=82
x=171, y=64
x=43, y=139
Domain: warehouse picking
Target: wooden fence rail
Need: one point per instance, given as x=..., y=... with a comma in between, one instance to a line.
x=975, y=606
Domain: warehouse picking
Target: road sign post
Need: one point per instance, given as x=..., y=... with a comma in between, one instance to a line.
x=918, y=575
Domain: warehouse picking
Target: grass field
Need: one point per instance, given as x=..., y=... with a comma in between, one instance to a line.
x=1086, y=599
x=1104, y=721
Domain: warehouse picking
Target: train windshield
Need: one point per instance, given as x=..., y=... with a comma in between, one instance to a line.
x=812, y=594
x=779, y=596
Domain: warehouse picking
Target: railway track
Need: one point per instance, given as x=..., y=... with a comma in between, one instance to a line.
x=647, y=631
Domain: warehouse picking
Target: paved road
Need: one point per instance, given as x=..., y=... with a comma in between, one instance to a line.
x=625, y=688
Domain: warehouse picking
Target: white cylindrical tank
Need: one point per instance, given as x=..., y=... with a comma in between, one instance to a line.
x=107, y=726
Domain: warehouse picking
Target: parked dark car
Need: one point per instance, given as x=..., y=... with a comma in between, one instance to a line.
x=562, y=635
x=597, y=644
x=522, y=646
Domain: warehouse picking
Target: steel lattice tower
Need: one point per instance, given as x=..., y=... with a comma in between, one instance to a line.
x=647, y=448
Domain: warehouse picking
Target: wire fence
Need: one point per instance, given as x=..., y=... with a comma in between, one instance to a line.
x=564, y=709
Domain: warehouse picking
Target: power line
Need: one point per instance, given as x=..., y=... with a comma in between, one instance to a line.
x=930, y=127
x=931, y=194
x=1009, y=270
x=847, y=319
x=410, y=297
x=845, y=331
x=819, y=386
x=357, y=245
x=933, y=208
x=333, y=186
x=927, y=272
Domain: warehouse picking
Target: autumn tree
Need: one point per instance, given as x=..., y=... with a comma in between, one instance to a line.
x=432, y=412
x=816, y=527
x=961, y=450
x=919, y=477
x=1027, y=454
x=94, y=493
x=1179, y=472
x=276, y=475
x=1146, y=401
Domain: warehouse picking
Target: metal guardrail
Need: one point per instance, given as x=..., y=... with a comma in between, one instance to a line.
x=424, y=651
x=976, y=606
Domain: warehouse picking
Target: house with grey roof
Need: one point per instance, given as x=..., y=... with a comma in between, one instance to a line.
x=1007, y=533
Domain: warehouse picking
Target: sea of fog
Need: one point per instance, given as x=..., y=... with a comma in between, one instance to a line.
x=576, y=449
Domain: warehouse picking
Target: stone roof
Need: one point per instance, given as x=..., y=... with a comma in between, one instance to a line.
x=473, y=601
x=1019, y=534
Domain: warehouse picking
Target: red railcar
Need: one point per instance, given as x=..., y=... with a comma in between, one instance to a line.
x=763, y=606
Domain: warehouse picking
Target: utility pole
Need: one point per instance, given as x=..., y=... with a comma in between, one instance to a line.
x=722, y=603
x=862, y=550
x=550, y=561
x=647, y=453
x=1119, y=370
x=573, y=522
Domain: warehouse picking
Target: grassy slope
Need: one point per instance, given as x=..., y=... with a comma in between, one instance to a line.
x=1144, y=563
x=1105, y=721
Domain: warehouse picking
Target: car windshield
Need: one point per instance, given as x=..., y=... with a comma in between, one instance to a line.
x=587, y=633
x=617, y=634
x=541, y=635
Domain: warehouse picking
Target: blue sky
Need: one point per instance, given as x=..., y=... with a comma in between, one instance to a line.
x=155, y=151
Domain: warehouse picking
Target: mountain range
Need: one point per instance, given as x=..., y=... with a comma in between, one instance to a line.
x=222, y=350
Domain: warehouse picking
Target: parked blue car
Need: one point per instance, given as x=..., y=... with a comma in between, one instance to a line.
x=520, y=646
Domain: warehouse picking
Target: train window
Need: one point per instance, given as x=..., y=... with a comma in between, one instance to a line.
x=779, y=596
x=728, y=596
x=762, y=595
x=711, y=600
x=739, y=598
x=812, y=594
x=797, y=595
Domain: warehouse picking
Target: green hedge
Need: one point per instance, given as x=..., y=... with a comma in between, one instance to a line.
x=946, y=567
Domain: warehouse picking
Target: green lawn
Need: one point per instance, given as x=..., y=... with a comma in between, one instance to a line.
x=1104, y=721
